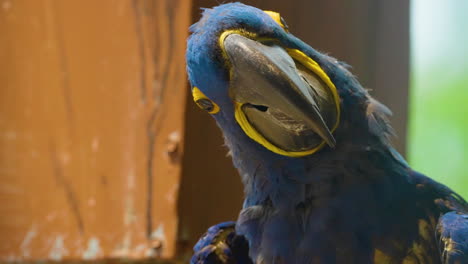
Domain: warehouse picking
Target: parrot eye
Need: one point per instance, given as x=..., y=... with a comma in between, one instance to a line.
x=204, y=102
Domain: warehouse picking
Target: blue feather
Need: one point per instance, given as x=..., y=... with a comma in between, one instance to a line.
x=340, y=205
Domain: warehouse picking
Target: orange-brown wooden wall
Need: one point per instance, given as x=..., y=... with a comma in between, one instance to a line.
x=91, y=127
x=94, y=115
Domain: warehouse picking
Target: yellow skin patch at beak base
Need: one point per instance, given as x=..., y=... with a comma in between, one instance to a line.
x=198, y=96
x=315, y=68
x=226, y=33
x=277, y=18
x=252, y=133
x=306, y=61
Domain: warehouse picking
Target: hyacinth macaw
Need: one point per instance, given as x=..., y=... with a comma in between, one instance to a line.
x=322, y=182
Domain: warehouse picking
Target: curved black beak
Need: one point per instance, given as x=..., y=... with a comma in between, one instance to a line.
x=265, y=78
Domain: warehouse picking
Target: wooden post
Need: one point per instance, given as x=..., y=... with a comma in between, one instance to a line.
x=91, y=128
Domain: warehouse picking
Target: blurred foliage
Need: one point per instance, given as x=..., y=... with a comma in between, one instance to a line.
x=438, y=135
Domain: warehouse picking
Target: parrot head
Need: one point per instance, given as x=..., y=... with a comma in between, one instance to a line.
x=266, y=87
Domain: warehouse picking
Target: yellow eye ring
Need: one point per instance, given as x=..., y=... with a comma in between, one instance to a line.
x=278, y=19
x=204, y=102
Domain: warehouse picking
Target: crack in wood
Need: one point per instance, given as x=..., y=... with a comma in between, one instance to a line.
x=153, y=125
x=156, y=123
x=149, y=173
x=63, y=64
x=63, y=182
x=141, y=49
x=169, y=11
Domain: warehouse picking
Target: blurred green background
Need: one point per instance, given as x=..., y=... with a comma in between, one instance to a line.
x=438, y=134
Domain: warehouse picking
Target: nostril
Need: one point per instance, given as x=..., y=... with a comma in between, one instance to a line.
x=261, y=108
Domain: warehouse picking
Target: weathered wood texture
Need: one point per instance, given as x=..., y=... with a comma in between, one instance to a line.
x=370, y=35
x=91, y=125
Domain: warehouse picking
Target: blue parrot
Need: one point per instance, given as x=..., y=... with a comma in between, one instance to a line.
x=322, y=182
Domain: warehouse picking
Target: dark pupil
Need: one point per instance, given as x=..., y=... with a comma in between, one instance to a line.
x=205, y=104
